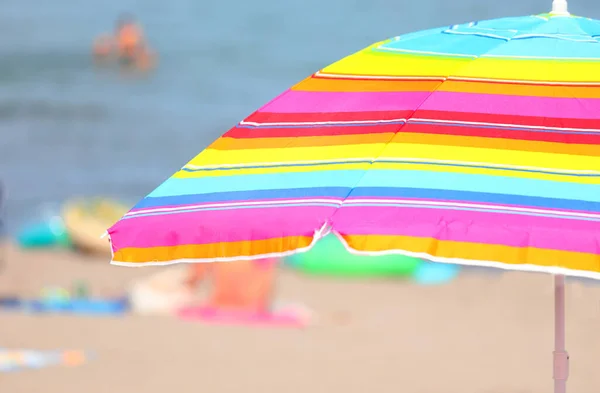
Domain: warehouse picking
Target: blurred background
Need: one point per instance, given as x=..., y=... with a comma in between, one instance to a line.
x=81, y=139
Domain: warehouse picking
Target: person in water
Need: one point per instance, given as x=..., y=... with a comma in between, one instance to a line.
x=129, y=38
x=127, y=45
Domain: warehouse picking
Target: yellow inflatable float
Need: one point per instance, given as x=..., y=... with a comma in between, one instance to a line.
x=87, y=219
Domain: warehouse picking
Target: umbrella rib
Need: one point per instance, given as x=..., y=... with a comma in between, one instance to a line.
x=378, y=155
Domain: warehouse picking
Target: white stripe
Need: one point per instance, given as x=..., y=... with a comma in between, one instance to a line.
x=425, y=52
x=556, y=37
x=499, y=125
x=387, y=77
x=487, y=164
x=477, y=27
x=238, y=204
x=422, y=120
x=301, y=123
x=524, y=82
x=541, y=57
x=468, y=262
x=381, y=48
x=470, y=205
x=477, y=34
x=275, y=164
x=457, y=78
x=402, y=160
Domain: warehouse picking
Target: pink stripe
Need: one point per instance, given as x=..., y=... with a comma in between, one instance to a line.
x=320, y=102
x=220, y=226
x=475, y=227
x=570, y=108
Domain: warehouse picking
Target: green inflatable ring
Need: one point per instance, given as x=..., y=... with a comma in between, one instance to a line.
x=330, y=257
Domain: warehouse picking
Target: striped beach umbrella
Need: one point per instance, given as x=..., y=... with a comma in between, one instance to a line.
x=475, y=144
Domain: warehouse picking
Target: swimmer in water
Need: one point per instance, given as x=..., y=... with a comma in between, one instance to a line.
x=127, y=45
x=103, y=47
x=129, y=38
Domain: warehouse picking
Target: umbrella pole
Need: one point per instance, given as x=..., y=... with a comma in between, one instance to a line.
x=561, y=357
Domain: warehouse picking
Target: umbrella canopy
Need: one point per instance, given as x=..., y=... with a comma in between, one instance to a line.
x=474, y=143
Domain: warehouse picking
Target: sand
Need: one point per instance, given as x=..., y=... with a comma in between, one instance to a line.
x=481, y=333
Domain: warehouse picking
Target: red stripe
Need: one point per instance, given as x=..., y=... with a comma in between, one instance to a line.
x=266, y=117
x=534, y=135
x=508, y=119
x=263, y=132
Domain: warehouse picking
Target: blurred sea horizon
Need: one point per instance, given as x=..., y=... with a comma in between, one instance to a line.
x=69, y=128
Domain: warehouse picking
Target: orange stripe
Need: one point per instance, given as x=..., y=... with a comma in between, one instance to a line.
x=358, y=85
x=496, y=143
x=405, y=137
x=310, y=141
x=477, y=252
x=350, y=85
x=521, y=90
x=207, y=251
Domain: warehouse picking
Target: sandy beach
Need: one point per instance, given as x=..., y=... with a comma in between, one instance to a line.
x=481, y=333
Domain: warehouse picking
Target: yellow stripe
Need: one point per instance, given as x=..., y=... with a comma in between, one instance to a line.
x=477, y=252
x=398, y=151
x=219, y=157
x=272, y=170
x=368, y=62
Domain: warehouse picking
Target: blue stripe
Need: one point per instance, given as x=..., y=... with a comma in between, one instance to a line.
x=465, y=196
x=366, y=192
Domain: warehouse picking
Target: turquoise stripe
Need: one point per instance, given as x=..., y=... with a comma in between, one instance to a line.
x=481, y=183
x=509, y=37
x=273, y=181
x=381, y=178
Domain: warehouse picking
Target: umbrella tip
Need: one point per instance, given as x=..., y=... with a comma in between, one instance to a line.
x=559, y=7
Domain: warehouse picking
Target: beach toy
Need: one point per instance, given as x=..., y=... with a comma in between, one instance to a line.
x=10, y=303
x=55, y=294
x=46, y=233
x=432, y=273
x=87, y=219
x=19, y=359
x=89, y=306
x=330, y=257
x=80, y=290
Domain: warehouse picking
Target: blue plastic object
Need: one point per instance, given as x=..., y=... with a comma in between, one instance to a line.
x=431, y=273
x=10, y=303
x=80, y=306
x=43, y=234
